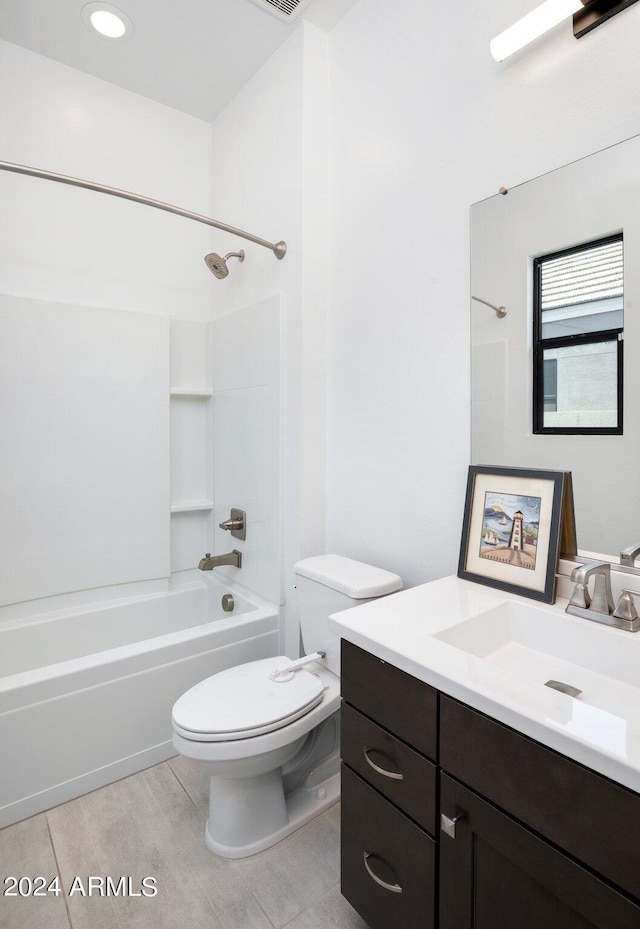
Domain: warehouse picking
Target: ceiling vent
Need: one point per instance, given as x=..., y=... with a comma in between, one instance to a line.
x=285, y=10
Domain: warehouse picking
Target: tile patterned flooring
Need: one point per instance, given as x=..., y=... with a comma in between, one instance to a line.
x=152, y=824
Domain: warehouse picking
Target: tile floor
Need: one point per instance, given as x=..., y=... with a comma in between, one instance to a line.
x=152, y=824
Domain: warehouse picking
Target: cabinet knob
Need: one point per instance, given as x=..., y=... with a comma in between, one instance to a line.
x=448, y=825
x=394, y=775
x=392, y=888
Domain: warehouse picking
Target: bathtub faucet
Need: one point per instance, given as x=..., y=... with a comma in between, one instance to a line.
x=233, y=558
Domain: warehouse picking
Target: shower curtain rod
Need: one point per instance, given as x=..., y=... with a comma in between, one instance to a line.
x=279, y=249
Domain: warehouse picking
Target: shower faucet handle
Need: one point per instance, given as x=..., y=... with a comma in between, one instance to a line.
x=236, y=524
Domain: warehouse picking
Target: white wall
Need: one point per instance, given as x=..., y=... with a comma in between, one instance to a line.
x=61, y=243
x=423, y=123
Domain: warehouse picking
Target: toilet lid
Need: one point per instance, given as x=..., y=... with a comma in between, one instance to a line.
x=244, y=702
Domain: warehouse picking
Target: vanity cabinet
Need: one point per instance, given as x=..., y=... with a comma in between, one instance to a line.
x=522, y=836
x=389, y=791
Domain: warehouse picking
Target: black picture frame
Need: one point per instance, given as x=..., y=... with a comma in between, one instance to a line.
x=512, y=528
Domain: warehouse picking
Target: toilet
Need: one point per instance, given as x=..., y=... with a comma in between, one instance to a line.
x=267, y=732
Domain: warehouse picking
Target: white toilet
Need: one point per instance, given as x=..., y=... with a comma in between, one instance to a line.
x=269, y=737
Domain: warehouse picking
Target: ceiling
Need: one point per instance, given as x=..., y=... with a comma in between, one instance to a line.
x=193, y=55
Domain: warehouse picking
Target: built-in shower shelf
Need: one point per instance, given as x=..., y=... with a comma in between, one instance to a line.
x=190, y=392
x=193, y=506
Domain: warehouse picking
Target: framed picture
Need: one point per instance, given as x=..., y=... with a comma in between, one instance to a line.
x=511, y=531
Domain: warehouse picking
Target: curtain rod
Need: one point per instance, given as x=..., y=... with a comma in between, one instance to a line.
x=279, y=249
x=500, y=311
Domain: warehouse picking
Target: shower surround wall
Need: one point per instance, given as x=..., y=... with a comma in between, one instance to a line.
x=247, y=440
x=84, y=473
x=112, y=257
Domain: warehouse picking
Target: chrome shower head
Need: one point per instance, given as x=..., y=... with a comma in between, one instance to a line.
x=218, y=265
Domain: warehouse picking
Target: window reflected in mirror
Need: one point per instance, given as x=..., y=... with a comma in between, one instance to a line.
x=578, y=326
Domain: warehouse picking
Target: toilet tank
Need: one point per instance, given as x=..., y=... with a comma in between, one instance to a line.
x=329, y=583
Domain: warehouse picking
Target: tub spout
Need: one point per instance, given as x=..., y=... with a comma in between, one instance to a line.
x=231, y=558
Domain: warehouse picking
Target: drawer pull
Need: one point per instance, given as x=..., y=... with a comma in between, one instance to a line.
x=394, y=775
x=448, y=825
x=393, y=888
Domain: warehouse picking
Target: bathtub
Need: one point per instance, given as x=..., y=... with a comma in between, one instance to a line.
x=86, y=692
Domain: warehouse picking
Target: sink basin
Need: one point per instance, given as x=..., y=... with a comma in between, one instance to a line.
x=541, y=645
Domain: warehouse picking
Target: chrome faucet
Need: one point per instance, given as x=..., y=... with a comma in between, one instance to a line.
x=601, y=608
x=602, y=596
x=231, y=558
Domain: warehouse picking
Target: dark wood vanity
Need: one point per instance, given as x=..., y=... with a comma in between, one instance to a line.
x=453, y=820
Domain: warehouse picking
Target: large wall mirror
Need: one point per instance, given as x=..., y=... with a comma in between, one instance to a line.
x=594, y=200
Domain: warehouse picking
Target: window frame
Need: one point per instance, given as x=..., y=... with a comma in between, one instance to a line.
x=588, y=338
x=547, y=364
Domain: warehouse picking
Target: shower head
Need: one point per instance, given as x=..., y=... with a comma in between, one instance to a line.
x=218, y=265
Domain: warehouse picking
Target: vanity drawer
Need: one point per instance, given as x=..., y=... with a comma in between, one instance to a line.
x=380, y=846
x=580, y=811
x=394, y=699
x=396, y=770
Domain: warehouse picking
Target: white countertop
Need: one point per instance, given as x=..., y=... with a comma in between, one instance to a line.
x=400, y=629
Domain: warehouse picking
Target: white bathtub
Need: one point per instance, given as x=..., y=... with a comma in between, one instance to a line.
x=86, y=692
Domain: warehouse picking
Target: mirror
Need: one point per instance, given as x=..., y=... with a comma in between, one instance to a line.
x=589, y=200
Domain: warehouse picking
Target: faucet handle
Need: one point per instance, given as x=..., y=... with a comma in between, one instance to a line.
x=580, y=596
x=626, y=608
x=236, y=524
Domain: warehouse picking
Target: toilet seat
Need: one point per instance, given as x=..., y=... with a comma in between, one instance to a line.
x=244, y=702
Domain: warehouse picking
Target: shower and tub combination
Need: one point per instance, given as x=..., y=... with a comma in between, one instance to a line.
x=86, y=691
x=88, y=677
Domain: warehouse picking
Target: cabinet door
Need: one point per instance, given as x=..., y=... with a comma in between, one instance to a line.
x=495, y=874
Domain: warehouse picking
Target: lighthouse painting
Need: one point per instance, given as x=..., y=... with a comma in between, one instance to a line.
x=514, y=519
x=510, y=529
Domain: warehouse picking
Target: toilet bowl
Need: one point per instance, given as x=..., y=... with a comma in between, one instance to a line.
x=268, y=737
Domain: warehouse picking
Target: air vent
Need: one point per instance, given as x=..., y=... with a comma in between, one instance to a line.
x=285, y=10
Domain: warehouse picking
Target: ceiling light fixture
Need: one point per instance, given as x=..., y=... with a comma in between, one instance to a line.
x=107, y=20
x=587, y=14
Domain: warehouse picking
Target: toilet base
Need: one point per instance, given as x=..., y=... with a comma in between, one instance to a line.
x=302, y=805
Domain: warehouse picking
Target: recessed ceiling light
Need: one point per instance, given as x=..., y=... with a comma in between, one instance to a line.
x=107, y=20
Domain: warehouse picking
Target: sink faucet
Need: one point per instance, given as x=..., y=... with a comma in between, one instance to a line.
x=602, y=597
x=232, y=558
x=601, y=608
